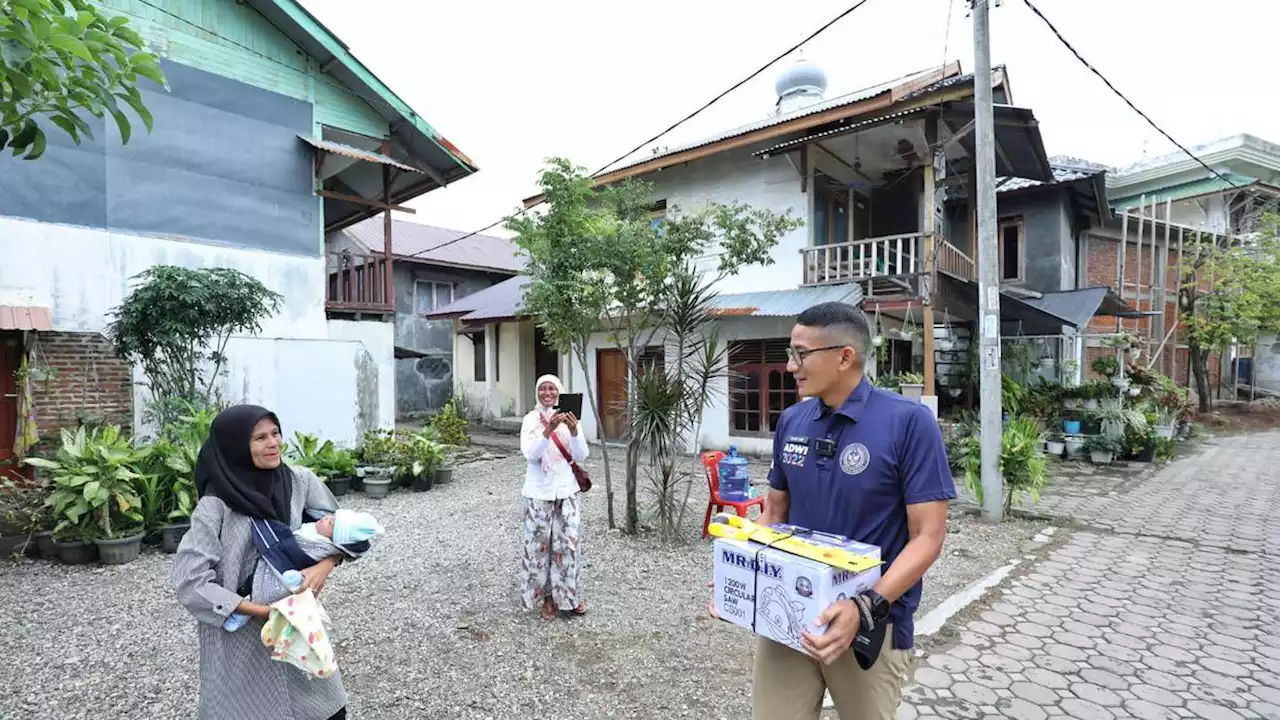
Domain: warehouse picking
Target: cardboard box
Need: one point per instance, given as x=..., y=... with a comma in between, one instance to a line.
x=780, y=594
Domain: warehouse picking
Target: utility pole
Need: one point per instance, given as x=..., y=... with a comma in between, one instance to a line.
x=988, y=276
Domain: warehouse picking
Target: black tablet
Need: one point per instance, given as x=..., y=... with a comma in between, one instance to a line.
x=570, y=402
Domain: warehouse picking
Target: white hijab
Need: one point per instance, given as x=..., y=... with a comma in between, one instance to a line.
x=552, y=457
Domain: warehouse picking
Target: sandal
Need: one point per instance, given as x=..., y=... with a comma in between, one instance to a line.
x=580, y=610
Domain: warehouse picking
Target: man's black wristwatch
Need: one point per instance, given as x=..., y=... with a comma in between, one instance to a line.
x=873, y=608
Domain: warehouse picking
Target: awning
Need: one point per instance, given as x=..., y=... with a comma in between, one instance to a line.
x=356, y=153
x=784, y=303
x=25, y=317
x=1017, y=315
x=1079, y=306
x=403, y=353
x=495, y=303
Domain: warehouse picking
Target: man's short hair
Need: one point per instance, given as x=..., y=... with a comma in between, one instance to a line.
x=847, y=322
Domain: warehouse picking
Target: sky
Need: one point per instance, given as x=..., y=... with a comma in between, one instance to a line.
x=512, y=83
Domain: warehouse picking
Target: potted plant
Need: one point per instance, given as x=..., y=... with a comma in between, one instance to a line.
x=1115, y=417
x=173, y=458
x=1074, y=445
x=1106, y=366
x=444, y=471
x=93, y=493
x=374, y=458
x=1073, y=397
x=1102, y=448
x=22, y=518
x=1071, y=427
x=339, y=466
x=1165, y=422
x=1023, y=468
x=1055, y=445
x=911, y=385
x=419, y=460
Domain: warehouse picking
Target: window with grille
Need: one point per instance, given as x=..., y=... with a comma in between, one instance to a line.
x=760, y=387
x=429, y=296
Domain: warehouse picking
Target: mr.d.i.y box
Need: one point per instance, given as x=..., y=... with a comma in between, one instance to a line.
x=778, y=594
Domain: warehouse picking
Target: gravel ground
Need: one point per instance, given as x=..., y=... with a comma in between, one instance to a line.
x=428, y=626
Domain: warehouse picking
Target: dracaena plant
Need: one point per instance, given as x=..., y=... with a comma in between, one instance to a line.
x=94, y=478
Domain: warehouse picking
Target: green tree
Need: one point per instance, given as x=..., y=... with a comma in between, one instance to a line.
x=61, y=59
x=1230, y=291
x=599, y=263
x=176, y=323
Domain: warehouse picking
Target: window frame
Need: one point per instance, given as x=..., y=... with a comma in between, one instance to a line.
x=479, y=354
x=435, y=286
x=759, y=367
x=1013, y=221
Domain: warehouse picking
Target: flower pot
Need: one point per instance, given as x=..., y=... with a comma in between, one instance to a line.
x=1075, y=447
x=1120, y=382
x=76, y=552
x=339, y=486
x=944, y=345
x=1164, y=431
x=915, y=391
x=377, y=487
x=1091, y=404
x=171, y=536
x=1100, y=457
x=1056, y=447
x=10, y=544
x=118, y=551
x=1071, y=427
x=1072, y=403
x=45, y=546
x=443, y=475
x=423, y=482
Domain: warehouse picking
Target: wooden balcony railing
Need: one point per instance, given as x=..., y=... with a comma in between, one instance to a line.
x=357, y=282
x=888, y=256
x=954, y=262
x=891, y=256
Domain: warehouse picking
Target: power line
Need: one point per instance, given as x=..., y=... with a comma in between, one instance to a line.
x=1121, y=95
x=678, y=123
x=946, y=35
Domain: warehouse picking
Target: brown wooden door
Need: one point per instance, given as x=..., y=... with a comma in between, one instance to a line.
x=10, y=359
x=611, y=384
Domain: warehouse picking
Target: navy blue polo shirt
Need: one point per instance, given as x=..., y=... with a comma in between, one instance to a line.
x=888, y=454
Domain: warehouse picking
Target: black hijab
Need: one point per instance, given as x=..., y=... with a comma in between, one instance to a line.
x=226, y=471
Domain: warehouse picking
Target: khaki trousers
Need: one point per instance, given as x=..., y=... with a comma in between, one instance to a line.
x=788, y=684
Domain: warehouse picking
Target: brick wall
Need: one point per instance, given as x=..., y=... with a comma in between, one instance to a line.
x=1100, y=270
x=88, y=382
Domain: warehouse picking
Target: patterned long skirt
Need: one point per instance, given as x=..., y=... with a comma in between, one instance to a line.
x=551, y=552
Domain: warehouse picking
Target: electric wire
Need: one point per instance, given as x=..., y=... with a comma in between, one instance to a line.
x=674, y=125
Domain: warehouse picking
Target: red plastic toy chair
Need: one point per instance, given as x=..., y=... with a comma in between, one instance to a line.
x=711, y=463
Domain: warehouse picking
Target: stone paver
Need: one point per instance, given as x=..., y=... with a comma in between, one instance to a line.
x=1167, y=606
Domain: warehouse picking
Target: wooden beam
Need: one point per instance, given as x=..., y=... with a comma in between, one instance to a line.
x=388, y=279
x=958, y=135
x=928, y=207
x=366, y=202
x=843, y=113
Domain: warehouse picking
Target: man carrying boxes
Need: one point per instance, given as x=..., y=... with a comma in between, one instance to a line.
x=861, y=475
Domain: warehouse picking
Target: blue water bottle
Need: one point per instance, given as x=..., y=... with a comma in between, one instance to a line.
x=292, y=579
x=734, y=483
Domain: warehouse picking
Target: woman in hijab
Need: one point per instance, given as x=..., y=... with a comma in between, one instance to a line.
x=239, y=477
x=552, y=508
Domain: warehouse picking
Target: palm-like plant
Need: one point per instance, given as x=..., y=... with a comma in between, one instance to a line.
x=669, y=401
x=93, y=475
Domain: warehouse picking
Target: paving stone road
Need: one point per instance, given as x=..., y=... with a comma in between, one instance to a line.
x=1166, y=605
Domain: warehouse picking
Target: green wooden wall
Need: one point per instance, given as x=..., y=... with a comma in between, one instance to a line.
x=234, y=41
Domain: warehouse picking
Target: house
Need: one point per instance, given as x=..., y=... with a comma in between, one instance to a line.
x=1159, y=203
x=431, y=267
x=271, y=135
x=869, y=173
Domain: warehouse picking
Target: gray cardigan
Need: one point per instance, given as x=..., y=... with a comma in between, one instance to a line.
x=238, y=678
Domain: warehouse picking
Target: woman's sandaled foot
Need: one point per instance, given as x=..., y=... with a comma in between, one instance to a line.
x=548, y=611
x=581, y=609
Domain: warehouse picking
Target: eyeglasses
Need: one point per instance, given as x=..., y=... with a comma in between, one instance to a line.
x=798, y=356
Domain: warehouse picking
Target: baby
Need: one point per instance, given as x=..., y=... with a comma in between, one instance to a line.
x=347, y=531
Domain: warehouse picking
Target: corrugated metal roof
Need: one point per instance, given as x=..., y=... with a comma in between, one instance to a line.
x=506, y=300
x=24, y=317
x=782, y=146
x=1008, y=184
x=1195, y=188
x=427, y=243
x=356, y=153
x=496, y=302
x=1078, y=306
x=784, y=303
x=849, y=99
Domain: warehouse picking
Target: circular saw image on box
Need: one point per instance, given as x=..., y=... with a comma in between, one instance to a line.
x=784, y=617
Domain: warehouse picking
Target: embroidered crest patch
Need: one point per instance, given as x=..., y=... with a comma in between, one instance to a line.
x=854, y=458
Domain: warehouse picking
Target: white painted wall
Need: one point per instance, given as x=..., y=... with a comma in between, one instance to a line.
x=736, y=176
x=507, y=389
x=715, y=433
x=302, y=366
